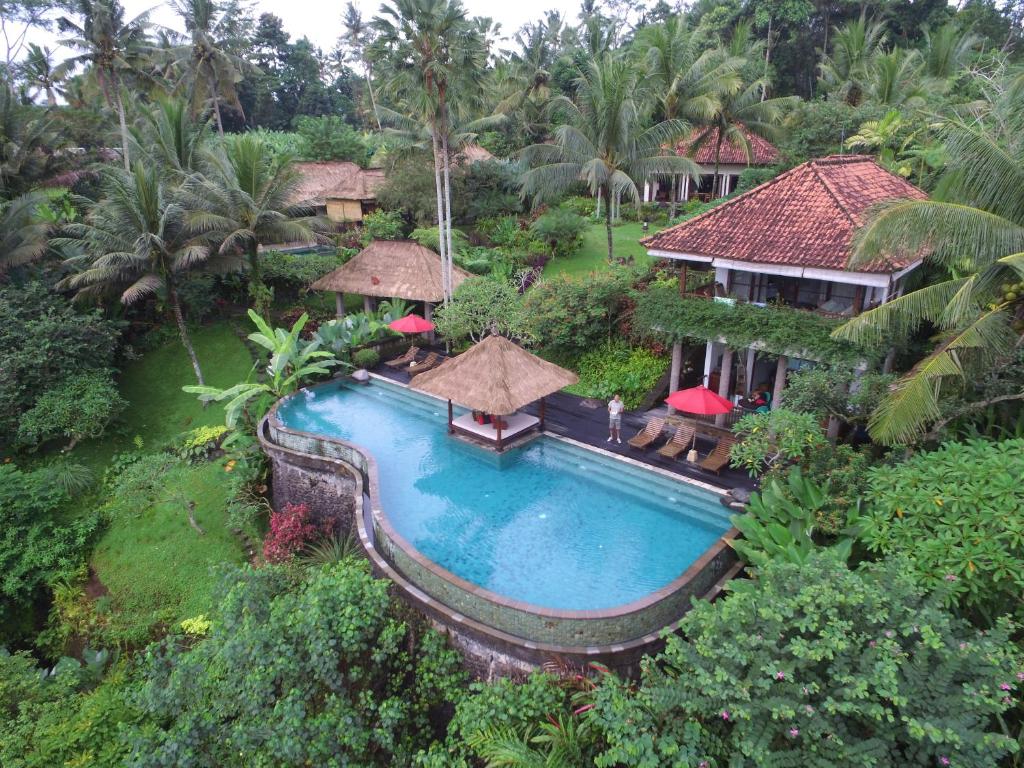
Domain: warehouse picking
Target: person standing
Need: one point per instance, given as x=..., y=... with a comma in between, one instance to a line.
x=615, y=408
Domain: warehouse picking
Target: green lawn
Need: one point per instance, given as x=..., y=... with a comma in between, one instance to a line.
x=156, y=566
x=157, y=408
x=593, y=255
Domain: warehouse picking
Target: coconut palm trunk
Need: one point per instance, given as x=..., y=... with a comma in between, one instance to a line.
x=123, y=121
x=441, y=238
x=449, y=263
x=179, y=319
x=608, y=218
x=716, y=184
x=368, y=73
x=214, y=87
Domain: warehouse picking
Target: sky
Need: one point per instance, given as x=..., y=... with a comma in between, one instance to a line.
x=321, y=21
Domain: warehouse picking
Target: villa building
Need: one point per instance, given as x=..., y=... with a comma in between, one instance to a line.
x=786, y=242
x=341, y=190
x=733, y=159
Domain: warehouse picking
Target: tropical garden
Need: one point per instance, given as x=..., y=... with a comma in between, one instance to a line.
x=155, y=609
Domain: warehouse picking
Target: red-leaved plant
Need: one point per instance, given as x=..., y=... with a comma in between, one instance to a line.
x=290, y=530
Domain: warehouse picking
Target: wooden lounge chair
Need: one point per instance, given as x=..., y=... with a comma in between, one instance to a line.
x=430, y=361
x=648, y=434
x=679, y=442
x=718, y=459
x=404, y=360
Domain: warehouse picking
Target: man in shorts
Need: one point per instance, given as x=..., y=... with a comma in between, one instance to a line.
x=615, y=408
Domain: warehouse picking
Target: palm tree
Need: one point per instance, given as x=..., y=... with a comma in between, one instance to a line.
x=245, y=200
x=23, y=235
x=689, y=82
x=946, y=50
x=433, y=54
x=895, y=79
x=172, y=138
x=27, y=140
x=42, y=75
x=605, y=144
x=854, y=47
x=358, y=38
x=109, y=44
x=741, y=111
x=976, y=232
x=212, y=69
x=135, y=241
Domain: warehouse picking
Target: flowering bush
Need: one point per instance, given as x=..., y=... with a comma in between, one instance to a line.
x=290, y=530
x=819, y=665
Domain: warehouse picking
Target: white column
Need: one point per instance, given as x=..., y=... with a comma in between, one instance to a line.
x=647, y=191
x=677, y=366
x=751, y=354
x=709, y=359
x=780, y=381
x=724, y=381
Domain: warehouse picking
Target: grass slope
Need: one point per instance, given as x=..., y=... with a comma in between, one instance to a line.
x=158, y=410
x=593, y=256
x=157, y=567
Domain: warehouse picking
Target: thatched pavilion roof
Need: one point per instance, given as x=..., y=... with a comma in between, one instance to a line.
x=495, y=376
x=400, y=269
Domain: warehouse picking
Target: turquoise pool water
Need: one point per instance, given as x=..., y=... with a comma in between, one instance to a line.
x=549, y=523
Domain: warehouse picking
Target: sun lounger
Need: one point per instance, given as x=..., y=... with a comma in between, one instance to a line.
x=404, y=360
x=430, y=361
x=718, y=459
x=679, y=442
x=648, y=434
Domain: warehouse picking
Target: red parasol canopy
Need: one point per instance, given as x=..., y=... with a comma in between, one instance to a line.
x=699, y=400
x=411, y=324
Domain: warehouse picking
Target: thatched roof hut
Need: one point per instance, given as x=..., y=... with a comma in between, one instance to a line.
x=400, y=269
x=495, y=376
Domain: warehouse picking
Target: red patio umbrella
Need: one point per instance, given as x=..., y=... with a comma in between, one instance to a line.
x=411, y=324
x=700, y=400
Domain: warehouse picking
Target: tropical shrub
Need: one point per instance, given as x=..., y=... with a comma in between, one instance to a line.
x=505, y=232
x=76, y=408
x=290, y=531
x=560, y=230
x=291, y=274
x=581, y=205
x=956, y=514
x=37, y=547
x=836, y=392
x=775, y=439
x=366, y=358
x=382, y=225
x=618, y=368
x=574, y=316
x=481, y=306
x=320, y=671
x=782, y=523
x=43, y=341
x=199, y=443
x=292, y=361
x=818, y=665
x=329, y=137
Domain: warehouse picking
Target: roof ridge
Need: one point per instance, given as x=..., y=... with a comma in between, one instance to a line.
x=722, y=206
x=833, y=193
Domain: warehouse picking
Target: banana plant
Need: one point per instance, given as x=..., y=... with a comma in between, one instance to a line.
x=780, y=522
x=292, y=361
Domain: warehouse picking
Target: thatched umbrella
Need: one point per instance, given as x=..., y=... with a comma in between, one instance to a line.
x=401, y=269
x=495, y=376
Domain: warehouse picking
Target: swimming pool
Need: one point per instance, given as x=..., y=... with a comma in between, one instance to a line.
x=549, y=524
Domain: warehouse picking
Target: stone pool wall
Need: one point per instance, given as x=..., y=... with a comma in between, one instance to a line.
x=497, y=636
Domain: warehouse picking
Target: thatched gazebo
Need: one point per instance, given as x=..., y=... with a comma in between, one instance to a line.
x=495, y=377
x=390, y=269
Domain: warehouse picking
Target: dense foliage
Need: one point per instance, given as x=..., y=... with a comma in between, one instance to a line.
x=481, y=306
x=818, y=665
x=618, y=369
x=283, y=666
x=43, y=342
x=955, y=514
x=81, y=406
x=662, y=314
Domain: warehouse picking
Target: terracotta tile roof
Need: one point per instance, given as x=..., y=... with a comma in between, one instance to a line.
x=700, y=145
x=805, y=217
x=336, y=180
